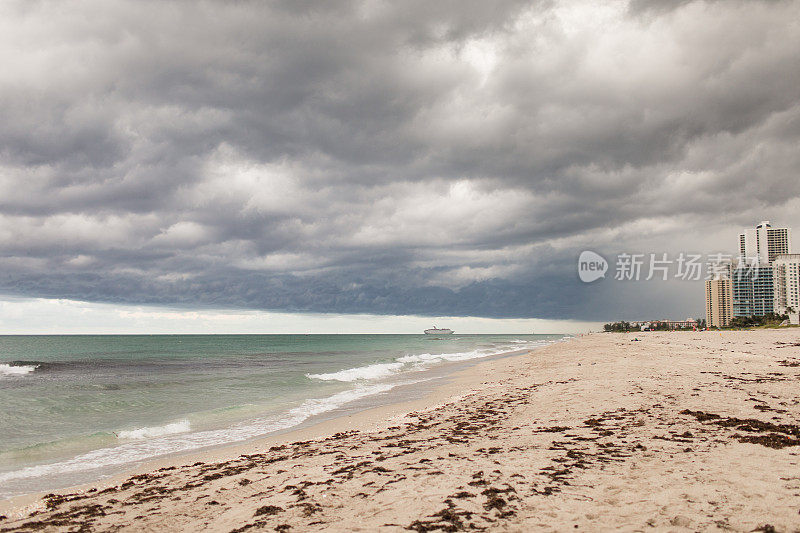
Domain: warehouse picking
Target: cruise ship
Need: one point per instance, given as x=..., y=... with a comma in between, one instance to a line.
x=438, y=331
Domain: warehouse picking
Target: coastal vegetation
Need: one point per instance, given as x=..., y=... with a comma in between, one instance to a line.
x=767, y=320
x=655, y=325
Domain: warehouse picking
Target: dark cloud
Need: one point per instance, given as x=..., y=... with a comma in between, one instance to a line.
x=637, y=7
x=373, y=157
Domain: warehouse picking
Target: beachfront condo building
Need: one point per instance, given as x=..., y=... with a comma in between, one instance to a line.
x=765, y=243
x=762, y=280
x=787, y=285
x=752, y=287
x=719, y=302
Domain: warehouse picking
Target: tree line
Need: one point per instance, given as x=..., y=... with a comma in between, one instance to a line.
x=655, y=325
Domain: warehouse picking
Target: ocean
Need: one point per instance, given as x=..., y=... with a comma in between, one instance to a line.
x=76, y=408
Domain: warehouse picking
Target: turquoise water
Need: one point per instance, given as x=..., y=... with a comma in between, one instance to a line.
x=73, y=408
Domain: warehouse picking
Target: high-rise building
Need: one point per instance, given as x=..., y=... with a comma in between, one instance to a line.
x=748, y=246
x=786, y=281
x=752, y=287
x=718, y=302
x=765, y=243
x=765, y=278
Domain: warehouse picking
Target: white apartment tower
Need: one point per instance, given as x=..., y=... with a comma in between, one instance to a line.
x=786, y=272
x=765, y=242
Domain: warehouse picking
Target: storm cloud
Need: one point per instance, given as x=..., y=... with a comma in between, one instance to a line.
x=432, y=158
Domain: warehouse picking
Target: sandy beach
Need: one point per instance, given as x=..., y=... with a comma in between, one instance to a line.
x=676, y=431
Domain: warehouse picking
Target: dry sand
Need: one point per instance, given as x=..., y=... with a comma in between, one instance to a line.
x=680, y=431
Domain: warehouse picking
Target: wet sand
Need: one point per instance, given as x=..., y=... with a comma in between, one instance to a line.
x=679, y=431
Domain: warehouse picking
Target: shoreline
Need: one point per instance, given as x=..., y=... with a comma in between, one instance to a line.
x=674, y=433
x=369, y=418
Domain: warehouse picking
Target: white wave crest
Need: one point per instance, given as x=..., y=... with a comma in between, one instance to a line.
x=428, y=358
x=15, y=370
x=376, y=371
x=157, y=431
x=420, y=362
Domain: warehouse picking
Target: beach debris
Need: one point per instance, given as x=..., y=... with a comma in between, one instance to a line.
x=776, y=435
x=448, y=519
x=268, y=510
x=766, y=528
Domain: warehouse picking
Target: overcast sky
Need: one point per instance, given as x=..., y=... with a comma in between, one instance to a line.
x=444, y=158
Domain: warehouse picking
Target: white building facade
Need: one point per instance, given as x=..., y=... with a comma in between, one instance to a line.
x=786, y=280
x=764, y=243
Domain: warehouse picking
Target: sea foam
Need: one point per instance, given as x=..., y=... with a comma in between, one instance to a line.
x=416, y=362
x=157, y=431
x=376, y=371
x=7, y=369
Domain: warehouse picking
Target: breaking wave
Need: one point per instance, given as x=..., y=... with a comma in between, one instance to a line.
x=11, y=369
x=376, y=371
x=149, y=432
x=417, y=362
